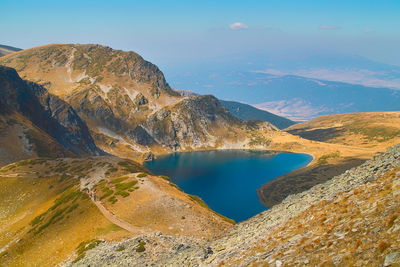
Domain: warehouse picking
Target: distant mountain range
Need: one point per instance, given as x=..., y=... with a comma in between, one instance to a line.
x=299, y=88
x=5, y=50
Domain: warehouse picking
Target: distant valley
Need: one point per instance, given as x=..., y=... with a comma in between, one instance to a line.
x=299, y=89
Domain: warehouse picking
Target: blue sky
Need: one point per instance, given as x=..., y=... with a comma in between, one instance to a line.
x=175, y=32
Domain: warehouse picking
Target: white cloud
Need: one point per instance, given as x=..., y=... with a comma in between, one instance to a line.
x=329, y=27
x=238, y=26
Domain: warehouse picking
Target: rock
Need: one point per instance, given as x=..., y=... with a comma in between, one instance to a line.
x=148, y=156
x=391, y=259
x=140, y=100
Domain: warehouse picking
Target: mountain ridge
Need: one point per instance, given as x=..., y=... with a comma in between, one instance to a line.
x=293, y=96
x=122, y=98
x=5, y=50
x=248, y=112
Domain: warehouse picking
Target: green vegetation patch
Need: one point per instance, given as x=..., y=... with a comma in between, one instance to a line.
x=120, y=248
x=36, y=220
x=106, y=192
x=141, y=175
x=84, y=247
x=122, y=193
x=379, y=134
x=323, y=160
x=116, y=187
x=121, y=188
x=113, y=200
x=67, y=196
x=165, y=178
x=130, y=166
x=120, y=179
x=141, y=247
x=62, y=205
x=125, y=186
x=72, y=208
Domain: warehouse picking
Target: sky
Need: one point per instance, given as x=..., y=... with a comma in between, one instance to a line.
x=174, y=32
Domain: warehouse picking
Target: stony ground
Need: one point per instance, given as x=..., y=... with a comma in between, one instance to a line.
x=353, y=219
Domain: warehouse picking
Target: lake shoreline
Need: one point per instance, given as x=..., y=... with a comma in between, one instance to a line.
x=227, y=180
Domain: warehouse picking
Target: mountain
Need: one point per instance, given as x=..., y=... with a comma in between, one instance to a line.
x=354, y=214
x=126, y=102
x=67, y=100
x=298, y=87
x=247, y=112
x=5, y=50
x=294, y=97
x=39, y=122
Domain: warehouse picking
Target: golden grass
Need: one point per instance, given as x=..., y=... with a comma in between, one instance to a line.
x=50, y=217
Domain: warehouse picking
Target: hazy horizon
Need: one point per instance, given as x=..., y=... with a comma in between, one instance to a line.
x=177, y=32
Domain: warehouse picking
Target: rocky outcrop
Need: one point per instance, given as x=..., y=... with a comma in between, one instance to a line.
x=141, y=136
x=351, y=219
x=192, y=122
x=47, y=112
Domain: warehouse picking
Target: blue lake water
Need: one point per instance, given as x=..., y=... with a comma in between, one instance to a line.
x=227, y=180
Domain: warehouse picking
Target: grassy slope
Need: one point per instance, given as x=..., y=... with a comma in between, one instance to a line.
x=45, y=212
x=153, y=203
x=376, y=130
x=337, y=142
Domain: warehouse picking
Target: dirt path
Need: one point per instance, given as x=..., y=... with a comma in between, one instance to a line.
x=115, y=220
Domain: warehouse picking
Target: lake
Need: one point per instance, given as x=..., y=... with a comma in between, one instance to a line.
x=227, y=180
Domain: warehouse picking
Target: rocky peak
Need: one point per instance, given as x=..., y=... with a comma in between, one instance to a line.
x=96, y=62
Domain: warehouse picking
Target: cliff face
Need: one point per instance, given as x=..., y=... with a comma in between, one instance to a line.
x=125, y=100
x=47, y=112
x=354, y=215
x=194, y=122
